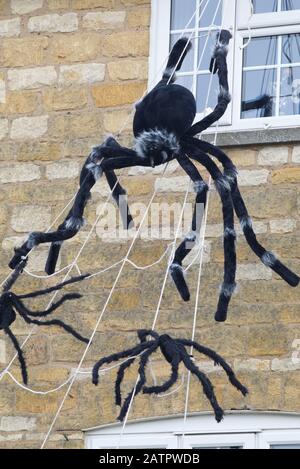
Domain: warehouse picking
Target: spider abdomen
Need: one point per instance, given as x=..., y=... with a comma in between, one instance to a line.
x=167, y=107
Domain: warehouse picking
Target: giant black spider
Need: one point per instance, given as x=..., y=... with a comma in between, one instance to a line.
x=174, y=352
x=163, y=129
x=11, y=304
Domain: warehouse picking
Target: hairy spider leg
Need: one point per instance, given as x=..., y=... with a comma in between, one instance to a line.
x=267, y=257
x=139, y=385
x=117, y=356
x=218, y=360
x=223, y=188
x=206, y=385
x=20, y=354
x=201, y=188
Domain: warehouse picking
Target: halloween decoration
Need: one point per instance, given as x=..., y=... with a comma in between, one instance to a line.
x=174, y=351
x=12, y=304
x=164, y=130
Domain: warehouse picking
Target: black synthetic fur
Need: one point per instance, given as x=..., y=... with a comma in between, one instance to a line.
x=174, y=351
x=164, y=130
x=12, y=304
x=176, y=58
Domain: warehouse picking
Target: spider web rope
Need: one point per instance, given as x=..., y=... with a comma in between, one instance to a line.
x=174, y=247
x=101, y=315
x=203, y=230
x=108, y=299
x=80, y=251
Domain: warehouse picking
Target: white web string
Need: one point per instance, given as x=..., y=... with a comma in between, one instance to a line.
x=108, y=299
x=65, y=277
x=101, y=315
x=158, y=306
x=173, y=250
x=74, y=263
x=198, y=288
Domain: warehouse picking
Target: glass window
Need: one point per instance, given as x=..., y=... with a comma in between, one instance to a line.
x=194, y=73
x=271, y=6
x=265, y=6
x=296, y=446
x=271, y=77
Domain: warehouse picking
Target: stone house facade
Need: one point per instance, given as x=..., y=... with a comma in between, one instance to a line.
x=70, y=71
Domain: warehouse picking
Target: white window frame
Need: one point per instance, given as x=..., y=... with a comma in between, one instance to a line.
x=251, y=430
x=238, y=13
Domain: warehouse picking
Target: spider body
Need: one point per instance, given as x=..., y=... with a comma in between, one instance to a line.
x=174, y=351
x=12, y=304
x=164, y=131
x=7, y=312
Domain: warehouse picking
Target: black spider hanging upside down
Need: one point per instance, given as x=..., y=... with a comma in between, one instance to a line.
x=164, y=130
x=12, y=304
x=174, y=351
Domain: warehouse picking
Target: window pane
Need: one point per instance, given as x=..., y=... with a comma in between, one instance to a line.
x=290, y=5
x=182, y=11
x=208, y=12
x=290, y=48
x=203, y=83
x=188, y=63
x=186, y=81
x=261, y=51
x=296, y=446
x=290, y=91
x=264, y=6
x=205, y=51
x=256, y=84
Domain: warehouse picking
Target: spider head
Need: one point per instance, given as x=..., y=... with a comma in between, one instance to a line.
x=7, y=313
x=157, y=146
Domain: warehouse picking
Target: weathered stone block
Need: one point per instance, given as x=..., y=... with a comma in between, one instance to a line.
x=103, y=20
x=63, y=99
x=126, y=44
x=64, y=169
x=10, y=28
x=20, y=103
x=30, y=218
x=128, y=70
x=14, y=424
x=23, y=51
x=3, y=128
x=283, y=226
x=81, y=73
x=273, y=155
x=29, y=127
x=253, y=177
x=22, y=7
x=39, y=151
x=286, y=175
x=53, y=23
x=139, y=17
x=19, y=173
x=117, y=95
x=31, y=78
x=75, y=48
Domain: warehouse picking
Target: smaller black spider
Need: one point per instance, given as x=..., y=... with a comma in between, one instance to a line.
x=174, y=352
x=11, y=304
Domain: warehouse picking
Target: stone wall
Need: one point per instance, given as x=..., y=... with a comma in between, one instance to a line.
x=70, y=71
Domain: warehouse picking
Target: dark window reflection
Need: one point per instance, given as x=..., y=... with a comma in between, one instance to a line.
x=290, y=5
x=258, y=93
x=290, y=49
x=261, y=51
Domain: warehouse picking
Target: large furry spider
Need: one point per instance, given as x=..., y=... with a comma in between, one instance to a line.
x=12, y=304
x=164, y=130
x=174, y=352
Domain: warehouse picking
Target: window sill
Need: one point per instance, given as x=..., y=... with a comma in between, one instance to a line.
x=252, y=137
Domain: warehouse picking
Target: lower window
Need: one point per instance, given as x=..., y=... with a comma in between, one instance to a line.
x=239, y=430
